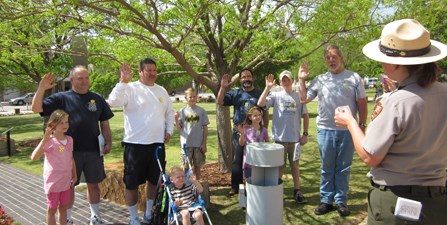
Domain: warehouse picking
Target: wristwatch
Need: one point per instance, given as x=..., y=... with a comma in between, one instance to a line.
x=305, y=133
x=362, y=125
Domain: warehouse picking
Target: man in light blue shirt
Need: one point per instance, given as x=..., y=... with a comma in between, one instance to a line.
x=335, y=88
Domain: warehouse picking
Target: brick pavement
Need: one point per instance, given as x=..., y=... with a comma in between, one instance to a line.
x=23, y=198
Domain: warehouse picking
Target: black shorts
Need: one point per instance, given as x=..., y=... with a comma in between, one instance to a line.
x=140, y=164
x=91, y=164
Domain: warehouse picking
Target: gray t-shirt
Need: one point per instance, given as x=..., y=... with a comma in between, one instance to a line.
x=192, y=121
x=287, y=113
x=335, y=90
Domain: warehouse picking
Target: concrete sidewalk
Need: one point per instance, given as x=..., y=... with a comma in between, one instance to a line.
x=23, y=198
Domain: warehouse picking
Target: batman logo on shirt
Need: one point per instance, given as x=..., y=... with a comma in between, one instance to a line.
x=289, y=107
x=192, y=118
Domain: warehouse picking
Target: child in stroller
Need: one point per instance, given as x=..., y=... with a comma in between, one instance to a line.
x=178, y=192
x=185, y=195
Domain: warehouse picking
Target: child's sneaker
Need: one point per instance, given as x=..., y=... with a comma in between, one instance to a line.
x=70, y=222
x=135, y=221
x=95, y=220
x=299, y=198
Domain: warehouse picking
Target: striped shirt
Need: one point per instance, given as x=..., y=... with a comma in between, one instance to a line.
x=187, y=194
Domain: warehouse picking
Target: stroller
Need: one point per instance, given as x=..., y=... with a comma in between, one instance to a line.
x=164, y=210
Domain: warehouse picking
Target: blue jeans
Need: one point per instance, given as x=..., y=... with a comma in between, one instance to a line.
x=236, y=166
x=336, y=152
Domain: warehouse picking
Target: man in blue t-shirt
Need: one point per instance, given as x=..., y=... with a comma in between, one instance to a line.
x=241, y=99
x=89, y=116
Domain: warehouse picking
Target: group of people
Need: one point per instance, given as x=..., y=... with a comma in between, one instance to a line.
x=78, y=120
x=71, y=145
x=404, y=143
x=337, y=87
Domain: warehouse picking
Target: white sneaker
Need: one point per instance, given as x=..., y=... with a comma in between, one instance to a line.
x=135, y=221
x=146, y=219
x=95, y=220
x=70, y=222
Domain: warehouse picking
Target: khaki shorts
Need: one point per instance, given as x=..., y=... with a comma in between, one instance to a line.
x=289, y=151
x=195, y=156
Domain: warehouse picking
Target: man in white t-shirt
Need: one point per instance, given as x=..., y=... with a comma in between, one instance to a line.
x=148, y=125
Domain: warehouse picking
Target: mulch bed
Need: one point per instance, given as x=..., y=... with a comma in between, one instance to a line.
x=212, y=175
x=29, y=143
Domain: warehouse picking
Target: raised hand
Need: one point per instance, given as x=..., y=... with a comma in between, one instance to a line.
x=192, y=177
x=48, y=132
x=303, y=73
x=47, y=81
x=270, y=81
x=125, y=75
x=388, y=84
x=241, y=129
x=225, y=81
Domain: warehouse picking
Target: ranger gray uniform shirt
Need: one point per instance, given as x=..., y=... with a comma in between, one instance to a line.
x=409, y=128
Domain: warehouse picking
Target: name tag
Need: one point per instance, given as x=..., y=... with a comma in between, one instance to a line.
x=408, y=209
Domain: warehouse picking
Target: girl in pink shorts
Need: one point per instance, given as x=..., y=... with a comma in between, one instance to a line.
x=59, y=170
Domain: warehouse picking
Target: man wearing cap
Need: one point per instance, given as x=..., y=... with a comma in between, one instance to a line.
x=335, y=88
x=241, y=99
x=286, y=124
x=405, y=145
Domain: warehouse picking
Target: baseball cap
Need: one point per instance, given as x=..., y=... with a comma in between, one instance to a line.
x=286, y=73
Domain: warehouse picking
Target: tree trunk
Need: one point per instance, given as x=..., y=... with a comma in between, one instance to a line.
x=224, y=133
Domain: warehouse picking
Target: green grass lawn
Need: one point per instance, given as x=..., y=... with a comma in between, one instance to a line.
x=224, y=210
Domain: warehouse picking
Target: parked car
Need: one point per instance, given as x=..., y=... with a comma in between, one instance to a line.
x=171, y=92
x=371, y=81
x=22, y=100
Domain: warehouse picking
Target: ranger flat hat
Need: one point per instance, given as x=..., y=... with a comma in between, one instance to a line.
x=405, y=42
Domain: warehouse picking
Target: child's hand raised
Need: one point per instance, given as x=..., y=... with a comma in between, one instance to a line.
x=192, y=177
x=48, y=132
x=270, y=81
x=303, y=72
x=241, y=129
